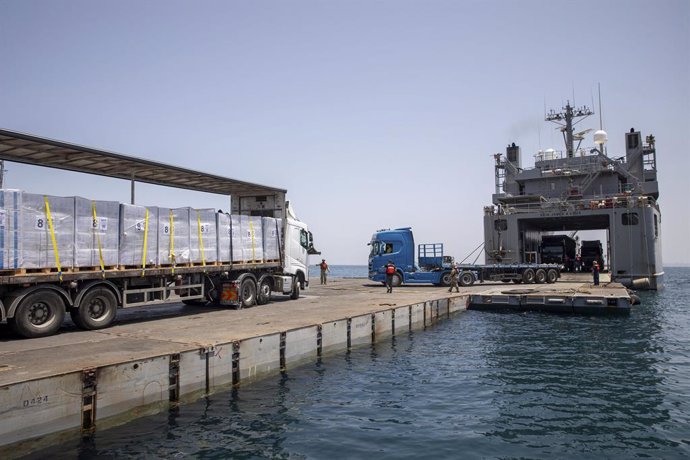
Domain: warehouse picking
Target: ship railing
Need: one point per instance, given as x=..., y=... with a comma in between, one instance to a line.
x=594, y=203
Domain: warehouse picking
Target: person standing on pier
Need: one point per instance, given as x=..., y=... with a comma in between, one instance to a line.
x=595, y=272
x=390, y=272
x=324, y=269
x=454, y=276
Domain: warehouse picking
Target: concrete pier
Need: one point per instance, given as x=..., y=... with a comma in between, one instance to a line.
x=81, y=381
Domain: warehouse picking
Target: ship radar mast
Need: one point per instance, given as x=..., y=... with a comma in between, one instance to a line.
x=567, y=119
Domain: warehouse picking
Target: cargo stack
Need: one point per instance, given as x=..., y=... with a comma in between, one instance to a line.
x=271, y=238
x=173, y=236
x=203, y=247
x=224, y=237
x=97, y=227
x=138, y=236
x=10, y=238
x=47, y=231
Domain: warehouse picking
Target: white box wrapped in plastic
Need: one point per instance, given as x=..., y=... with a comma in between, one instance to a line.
x=10, y=238
x=236, y=238
x=272, y=228
x=224, y=237
x=91, y=232
x=202, y=225
x=174, y=236
x=138, y=235
x=37, y=241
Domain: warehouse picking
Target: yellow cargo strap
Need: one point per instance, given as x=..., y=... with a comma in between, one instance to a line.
x=251, y=233
x=172, y=241
x=98, y=237
x=146, y=240
x=49, y=218
x=201, y=240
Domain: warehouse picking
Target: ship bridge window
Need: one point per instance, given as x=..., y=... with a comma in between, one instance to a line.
x=501, y=225
x=630, y=218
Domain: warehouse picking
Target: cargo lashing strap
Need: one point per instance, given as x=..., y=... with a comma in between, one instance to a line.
x=172, y=242
x=146, y=239
x=95, y=227
x=201, y=240
x=49, y=218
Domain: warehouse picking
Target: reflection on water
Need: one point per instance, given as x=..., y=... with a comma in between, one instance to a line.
x=483, y=385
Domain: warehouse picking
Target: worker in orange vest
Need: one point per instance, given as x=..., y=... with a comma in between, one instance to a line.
x=324, y=269
x=595, y=272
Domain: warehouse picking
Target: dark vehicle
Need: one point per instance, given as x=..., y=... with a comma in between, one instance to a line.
x=589, y=252
x=559, y=249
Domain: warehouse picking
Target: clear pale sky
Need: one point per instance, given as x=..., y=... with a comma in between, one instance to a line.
x=372, y=114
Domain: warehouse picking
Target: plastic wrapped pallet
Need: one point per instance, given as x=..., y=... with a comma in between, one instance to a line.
x=224, y=237
x=174, y=236
x=203, y=236
x=271, y=237
x=236, y=239
x=37, y=238
x=138, y=235
x=10, y=218
x=90, y=232
x=252, y=236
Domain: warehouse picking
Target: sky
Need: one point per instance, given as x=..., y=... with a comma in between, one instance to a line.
x=372, y=114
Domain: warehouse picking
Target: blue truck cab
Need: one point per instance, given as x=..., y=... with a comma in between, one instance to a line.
x=398, y=246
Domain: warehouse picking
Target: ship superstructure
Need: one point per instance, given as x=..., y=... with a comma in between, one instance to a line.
x=580, y=189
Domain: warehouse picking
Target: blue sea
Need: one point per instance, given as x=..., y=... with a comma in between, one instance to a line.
x=481, y=385
x=340, y=271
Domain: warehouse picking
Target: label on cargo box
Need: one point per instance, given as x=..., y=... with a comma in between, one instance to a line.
x=100, y=224
x=205, y=227
x=3, y=216
x=140, y=226
x=40, y=223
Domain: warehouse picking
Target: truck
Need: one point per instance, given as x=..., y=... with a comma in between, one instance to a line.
x=559, y=249
x=35, y=300
x=589, y=252
x=434, y=267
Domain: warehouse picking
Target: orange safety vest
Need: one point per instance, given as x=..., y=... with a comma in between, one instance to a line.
x=390, y=269
x=324, y=266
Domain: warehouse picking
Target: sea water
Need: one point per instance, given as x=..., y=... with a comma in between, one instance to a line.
x=480, y=385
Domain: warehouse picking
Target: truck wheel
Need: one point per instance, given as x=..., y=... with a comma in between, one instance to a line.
x=466, y=279
x=264, y=294
x=445, y=279
x=96, y=310
x=551, y=275
x=397, y=280
x=294, y=295
x=540, y=276
x=528, y=276
x=39, y=314
x=248, y=292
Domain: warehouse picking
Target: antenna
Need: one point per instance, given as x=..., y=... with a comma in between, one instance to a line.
x=601, y=123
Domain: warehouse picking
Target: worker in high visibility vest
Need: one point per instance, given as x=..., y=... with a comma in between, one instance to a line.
x=595, y=272
x=324, y=269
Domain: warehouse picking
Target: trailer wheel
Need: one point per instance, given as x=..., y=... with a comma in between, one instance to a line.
x=540, y=276
x=248, y=292
x=528, y=276
x=396, y=280
x=264, y=294
x=551, y=275
x=294, y=295
x=39, y=314
x=445, y=279
x=97, y=309
x=466, y=279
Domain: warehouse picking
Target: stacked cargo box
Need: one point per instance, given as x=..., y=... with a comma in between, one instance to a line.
x=42, y=246
x=173, y=236
x=203, y=236
x=96, y=228
x=224, y=237
x=138, y=236
x=10, y=238
x=271, y=237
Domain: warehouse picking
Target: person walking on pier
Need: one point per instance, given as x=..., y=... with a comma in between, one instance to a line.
x=324, y=269
x=390, y=272
x=595, y=272
x=454, y=276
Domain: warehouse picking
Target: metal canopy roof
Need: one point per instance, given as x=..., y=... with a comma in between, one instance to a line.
x=29, y=149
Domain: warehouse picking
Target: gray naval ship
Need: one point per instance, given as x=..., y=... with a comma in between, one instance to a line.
x=580, y=189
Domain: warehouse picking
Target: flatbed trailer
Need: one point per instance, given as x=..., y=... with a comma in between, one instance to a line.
x=517, y=273
x=34, y=301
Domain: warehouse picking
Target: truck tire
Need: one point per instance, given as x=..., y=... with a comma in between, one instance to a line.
x=551, y=275
x=39, y=314
x=466, y=278
x=96, y=310
x=294, y=295
x=248, y=293
x=528, y=276
x=445, y=279
x=540, y=276
x=264, y=294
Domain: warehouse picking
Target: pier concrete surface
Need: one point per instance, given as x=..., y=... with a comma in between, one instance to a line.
x=79, y=381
